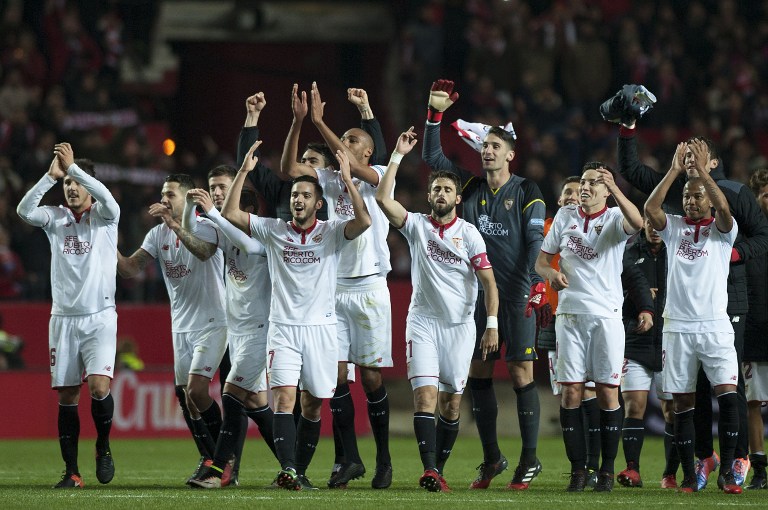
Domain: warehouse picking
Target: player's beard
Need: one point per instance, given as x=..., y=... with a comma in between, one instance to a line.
x=441, y=210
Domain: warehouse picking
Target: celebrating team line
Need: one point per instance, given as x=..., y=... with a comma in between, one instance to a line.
x=625, y=299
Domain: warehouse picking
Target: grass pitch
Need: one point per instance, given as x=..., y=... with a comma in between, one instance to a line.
x=151, y=474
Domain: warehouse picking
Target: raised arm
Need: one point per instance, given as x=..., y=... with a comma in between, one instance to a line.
x=639, y=175
x=289, y=167
x=490, y=341
x=357, y=168
x=243, y=241
x=203, y=250
x=106, y=204
x=362, y=219
x=653, y=210
x=29, y=207
x=370, y=125
x=394, y=210
x=723, y=218
x=633, y=220
x=128, y=267
x=231, y=208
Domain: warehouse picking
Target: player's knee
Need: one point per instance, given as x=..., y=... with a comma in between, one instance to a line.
x=310, y=406
x=371, y=379
x=634, y=404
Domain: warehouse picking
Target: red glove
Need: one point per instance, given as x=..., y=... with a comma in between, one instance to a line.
x=538, y=301
x=441, y=97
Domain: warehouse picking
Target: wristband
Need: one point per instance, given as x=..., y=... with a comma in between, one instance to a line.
x=396, y=158
x=491, y=322
x=433, y=115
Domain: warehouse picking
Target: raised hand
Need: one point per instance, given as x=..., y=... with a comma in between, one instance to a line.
x=65, y=155
x=55, y=171
x=249, y=163
x=678, y=160
x=406, y=141
x=299, y=103
x=700, y=152
x=607, y=177
x=160, y=211
x=346, y=173
x=201, y=197
x=442, y=96
x=318, y=106
x=255, y=103
x=357, y=97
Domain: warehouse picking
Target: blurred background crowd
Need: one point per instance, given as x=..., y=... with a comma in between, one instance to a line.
x=77, y=71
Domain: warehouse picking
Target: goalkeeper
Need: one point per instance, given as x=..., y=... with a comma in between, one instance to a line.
x=508, y=210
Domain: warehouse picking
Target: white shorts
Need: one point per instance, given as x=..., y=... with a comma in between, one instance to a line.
x=198, y=353
x=248, y=354
x=589, y=348
x=683, y=353
x=303, y=355
x=364, y=312
x=437, y=353
x=82, y=345
x=756, y=380
x=557, y=388
x=636, y=377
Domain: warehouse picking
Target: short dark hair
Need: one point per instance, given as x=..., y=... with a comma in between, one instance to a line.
x=570, y=180
x=758, y=179
x=184, y=180
x=248, y=198
x=504, y=135
x=312, y=180
x=323, y=150
x=87, y=166
x=442, y=174
x=711, y=147
x=594, y=165
x=226, y=170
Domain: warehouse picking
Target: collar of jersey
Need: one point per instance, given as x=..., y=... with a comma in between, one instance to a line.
x=80, y=215
x=699, y=223
x=593, y=215
x=441, y=226
x=303, y=231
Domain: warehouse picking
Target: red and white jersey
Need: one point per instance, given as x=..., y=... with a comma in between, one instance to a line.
x=195, y=288
x=83, y=246
x=444, y=259
x=698, y=262
x=302, y=266
x=368, y=253
x=591, y=248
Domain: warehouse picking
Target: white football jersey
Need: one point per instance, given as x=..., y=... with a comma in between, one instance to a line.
x=83, y=247
x=698, y=262
x=302, y=266
x=369, y=253
x=591, y=249
x=444, y=259
x=195, y=288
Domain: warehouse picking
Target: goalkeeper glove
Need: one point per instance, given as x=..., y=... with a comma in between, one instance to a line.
x=441, y=97
x=537, y=300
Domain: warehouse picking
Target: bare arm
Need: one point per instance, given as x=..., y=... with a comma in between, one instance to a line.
x=633, y=220
x=128, y=267
x=653, y=209
x=490, y=340
x=231, y=208
x=203, y=250
x=289, y=167
x=358, y=169
x=359, y=98
x=394, y=210
x=557, y=280
x=253, y=106
x=362, y=219
x=723, y=217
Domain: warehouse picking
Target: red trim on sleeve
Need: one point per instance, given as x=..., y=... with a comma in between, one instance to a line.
x=626, y=132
